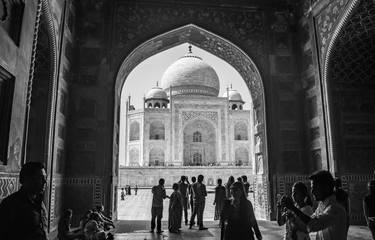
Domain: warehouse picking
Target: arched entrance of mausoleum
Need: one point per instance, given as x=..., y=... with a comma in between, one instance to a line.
x=241, y=61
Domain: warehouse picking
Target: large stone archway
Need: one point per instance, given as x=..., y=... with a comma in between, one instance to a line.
x=348, y=77
x=233, y=55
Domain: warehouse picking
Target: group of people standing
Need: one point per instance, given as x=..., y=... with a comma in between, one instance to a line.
x=232, y=208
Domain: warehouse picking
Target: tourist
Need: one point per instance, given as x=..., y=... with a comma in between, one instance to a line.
x=238, y=221
x=329, y=219
x=183, y=188
x=129, y=190
x=342, y=198
x=64, y=230
x=193, y=180
x=302, y=200
x=107, y=222
x=369, y=207
x=227, y=186
x=159, y=194
x=122, y=194
x=175, y=210
x=94, y=229
x=220, y=197
x=84, y=219
x=23, y=214
x=135, y=189
x=246, y=185
x=199, y=194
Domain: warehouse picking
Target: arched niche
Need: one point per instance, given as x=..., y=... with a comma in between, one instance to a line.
x=241, y=156
x=199, y=143
x=134, y=131
x=157, y=130
x=134, y=157
x=241, y=131
x=156, y=157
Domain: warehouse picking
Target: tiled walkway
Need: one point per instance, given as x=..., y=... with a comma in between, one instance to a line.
x=135, y=214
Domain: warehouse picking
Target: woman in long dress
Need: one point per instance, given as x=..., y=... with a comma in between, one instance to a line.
x=293, y=224
x=227, y=186
x=238, y=221
x=220, y=196
x=175, y=210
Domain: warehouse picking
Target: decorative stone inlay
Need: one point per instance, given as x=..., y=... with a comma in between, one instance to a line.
x=8, y=185
x=326, y=23
x=188, y=115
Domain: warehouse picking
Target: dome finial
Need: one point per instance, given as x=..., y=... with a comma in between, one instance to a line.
x=157, y=83
x=190, y=49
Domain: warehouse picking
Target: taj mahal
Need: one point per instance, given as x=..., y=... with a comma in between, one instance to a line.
x=185, y=128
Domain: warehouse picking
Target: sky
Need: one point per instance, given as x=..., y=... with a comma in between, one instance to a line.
x=147, y=73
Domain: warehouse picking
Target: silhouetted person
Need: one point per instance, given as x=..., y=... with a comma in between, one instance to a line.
x=183, y=187
x=329, y=219
x=342, y=197
x=227, y=186
x=369, y=207
x=246, y=184
x=199, y=194
x=94, y=228
x=64, y=230
x=159, y=194
x=175, y=210
x=122, y=194
x=193, y=180
x=238, y=219
x=107, y=222
x=302, y=201
x=219, y=200
x=23, y=214
x=136, y=189
x=129, y=190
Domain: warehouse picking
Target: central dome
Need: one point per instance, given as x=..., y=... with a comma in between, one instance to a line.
x=189, y=75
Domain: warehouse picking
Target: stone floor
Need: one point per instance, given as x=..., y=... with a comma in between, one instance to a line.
x=139, y=230
x=134, y=222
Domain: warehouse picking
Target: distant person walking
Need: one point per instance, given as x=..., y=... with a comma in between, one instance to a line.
x=227, y=186
x=238, y=221
x=369, y=207
x=136, y=189
x=199, y=193
x=175, y=210
x=122, y=194
x=193, y=180
x=342, y=198
x=246, y=185
x=183, y=188
x=220, y=197
x=159, y=195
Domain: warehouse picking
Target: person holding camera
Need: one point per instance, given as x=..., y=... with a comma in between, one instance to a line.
x=302, y=201
x=329, y=219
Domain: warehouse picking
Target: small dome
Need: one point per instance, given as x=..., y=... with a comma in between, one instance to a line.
x=156, y=93
x=190, y=75
x=234, y=95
